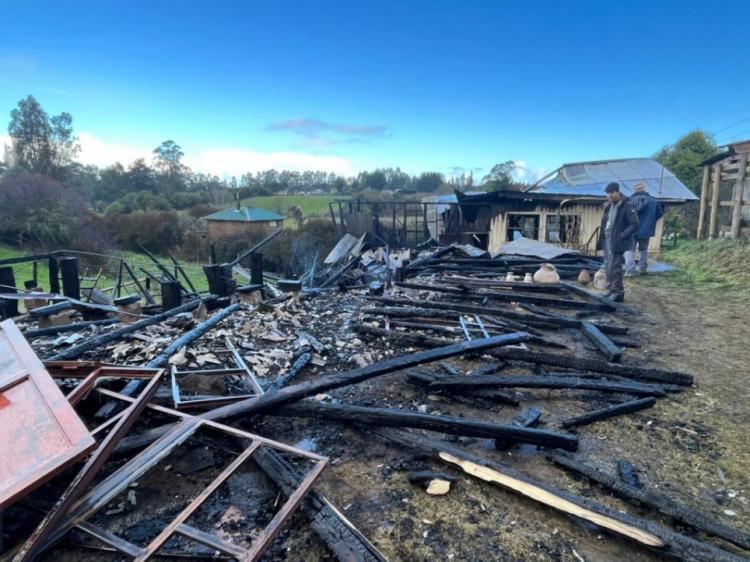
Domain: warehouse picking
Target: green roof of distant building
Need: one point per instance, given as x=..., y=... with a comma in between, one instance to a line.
x=244, y=214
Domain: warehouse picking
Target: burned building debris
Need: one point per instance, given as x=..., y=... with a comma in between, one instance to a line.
x=205, y=424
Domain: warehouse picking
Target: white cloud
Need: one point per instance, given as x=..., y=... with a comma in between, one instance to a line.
x=218, y=161
x=527, y=174
x=96, y=152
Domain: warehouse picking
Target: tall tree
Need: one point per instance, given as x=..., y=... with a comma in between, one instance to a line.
x=41, y=144
x=500, y=177
x=168, y=159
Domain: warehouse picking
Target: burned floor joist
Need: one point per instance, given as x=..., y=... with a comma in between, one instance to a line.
x=609, y=412
x=646, y=533
x=390, y=417
x=653, y=500
x=456, y=384
x=423, y=379
x=75, y=327
x=570, y=361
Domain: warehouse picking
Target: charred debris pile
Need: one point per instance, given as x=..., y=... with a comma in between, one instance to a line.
x=138, y=428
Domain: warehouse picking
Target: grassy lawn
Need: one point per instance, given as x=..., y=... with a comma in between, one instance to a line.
x=24, y=271
x=707, y=265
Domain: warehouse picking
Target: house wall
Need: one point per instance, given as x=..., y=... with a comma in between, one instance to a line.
x=229, y=229
x=590, y=213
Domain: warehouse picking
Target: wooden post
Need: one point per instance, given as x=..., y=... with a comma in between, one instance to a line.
x=256, y=268
x=71, y=283
x=738, y=189
x=8, y=282
x=704, y=202
x=171, y=296
x=712, y=226
x=54, y=276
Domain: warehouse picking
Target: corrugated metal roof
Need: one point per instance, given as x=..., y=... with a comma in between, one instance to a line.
x=244, y=214
x=590, y=179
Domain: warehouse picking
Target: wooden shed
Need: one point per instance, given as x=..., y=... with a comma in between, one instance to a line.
x=725, y=194
x=242, y=220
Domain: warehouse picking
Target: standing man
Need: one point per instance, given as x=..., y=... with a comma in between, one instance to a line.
x=649, y=210
x=619, y=223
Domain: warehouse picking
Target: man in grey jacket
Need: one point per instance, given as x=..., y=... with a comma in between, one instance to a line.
x=619, y=223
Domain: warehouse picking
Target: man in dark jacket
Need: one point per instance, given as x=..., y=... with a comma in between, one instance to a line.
x=649, y=211
x=619, y=223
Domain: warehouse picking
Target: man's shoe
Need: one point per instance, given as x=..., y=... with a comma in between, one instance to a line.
x=617, y=298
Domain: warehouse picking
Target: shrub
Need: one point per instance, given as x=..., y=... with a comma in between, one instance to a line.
x=160, y=232
x=200, y=210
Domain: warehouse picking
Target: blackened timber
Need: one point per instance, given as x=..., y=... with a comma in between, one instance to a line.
x=391, y=417
x=301, y=362
x=181, y=271
x=141, y=289
x=544, y=381
x=440, y=252
x=506, y=297
x=8, y=285
x=114, y=335
x=504, y=314
x=189, y=337
x=423, y=378
x=628, y=474
x=602, y=342
x=528, y=418
x=71, y=283
x=75, y=327
x=658, y=502
x=606, y=413
x=601, y=300
x=570, y=361
x=288, y=394
x=640, y=530
x=344, y=540
x=50, y=309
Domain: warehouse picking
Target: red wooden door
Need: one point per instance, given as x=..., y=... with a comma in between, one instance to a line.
x=40, y=433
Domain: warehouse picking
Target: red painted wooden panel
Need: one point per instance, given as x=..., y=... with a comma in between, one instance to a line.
x=40, y=433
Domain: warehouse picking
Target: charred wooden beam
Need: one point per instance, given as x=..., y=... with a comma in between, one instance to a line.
x=423, y=378
x=189, y=337
x=406, y=338
x=514, y=297
x=601, y=300
x=602, y=342
x=391, y=417
x=610, y=412
x=75, y=327
x=114, y=335
x=628, y=474
x=545, y=381
x=654, y=500
x=70, y=280
x=141, y=288
x=8, y=285
x=50, y=309
x=528, y=418
x=643, y=532
x=570, y=361
x=255, y=248
x=283, y=380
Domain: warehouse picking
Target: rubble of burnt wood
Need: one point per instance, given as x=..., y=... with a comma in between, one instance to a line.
x=424, y=350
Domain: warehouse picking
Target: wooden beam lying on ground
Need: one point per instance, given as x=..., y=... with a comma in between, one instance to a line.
x=75, y=327
x=643, y=532
x=602, y=342
x=391, y=417
x=272, y=400
x=114, y=335
x=545, y=381
x=425, y=378
x=610, y=412
x=654, y=500
x=571, y=361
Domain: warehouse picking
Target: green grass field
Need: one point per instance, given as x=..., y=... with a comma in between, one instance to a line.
x=310, y=205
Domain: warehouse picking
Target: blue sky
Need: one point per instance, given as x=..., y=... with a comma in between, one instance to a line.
x=354, y=85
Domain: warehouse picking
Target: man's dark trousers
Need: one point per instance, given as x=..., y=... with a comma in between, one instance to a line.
x=615, y=263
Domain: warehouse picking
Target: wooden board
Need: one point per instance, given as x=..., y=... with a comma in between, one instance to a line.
x=40, y=433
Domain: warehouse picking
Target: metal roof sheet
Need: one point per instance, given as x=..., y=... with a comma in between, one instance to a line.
x=244, y=214
x=590, y=179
